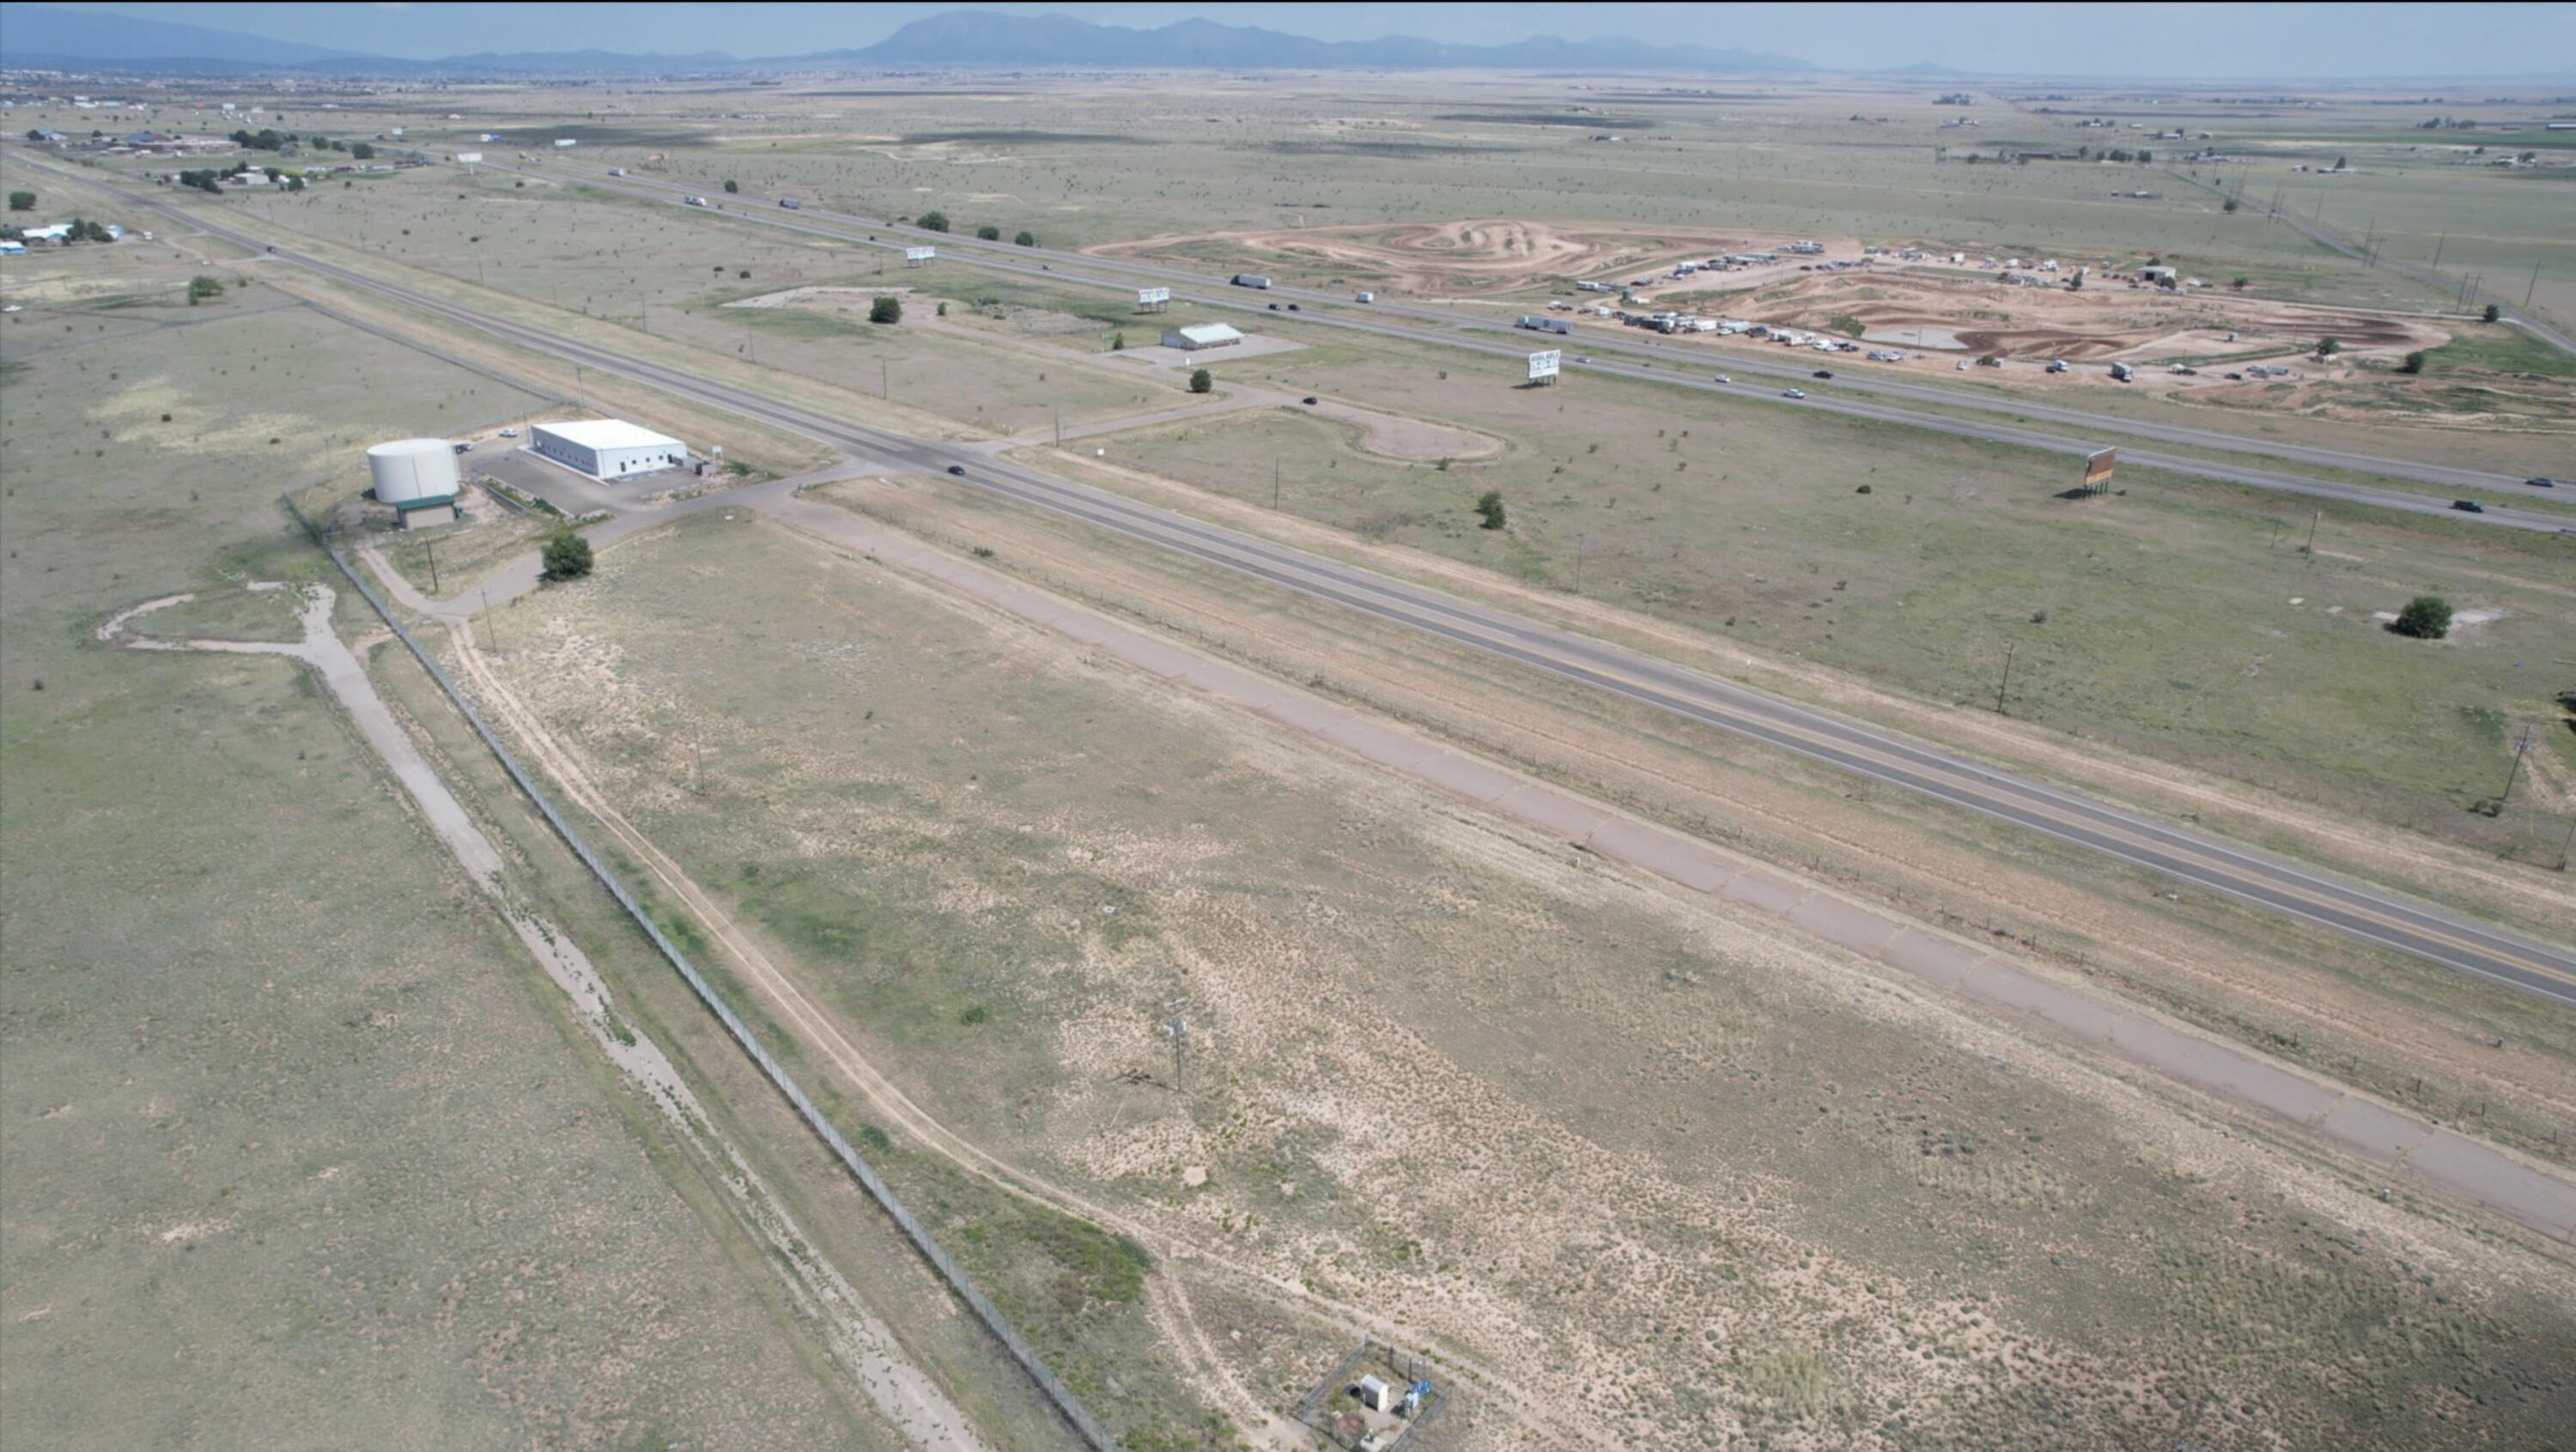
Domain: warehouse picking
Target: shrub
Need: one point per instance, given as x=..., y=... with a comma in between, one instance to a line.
x=2414, y=364
x=22, y=201
x=886, y=310
x=202, y=287
x=1025, y=239
x=2426, y=617
x=567, y=556
x=933, y=222
x=989, y=233
x=1491, y=507
x=733, y=186
x=1202, y=381
x=2493, y=313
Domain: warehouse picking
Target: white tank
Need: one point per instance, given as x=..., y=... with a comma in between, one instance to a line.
x=410, y=469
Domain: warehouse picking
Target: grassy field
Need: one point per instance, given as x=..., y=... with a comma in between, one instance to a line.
x=297, y=1140
x=1636, y=1155
x=2179, y=620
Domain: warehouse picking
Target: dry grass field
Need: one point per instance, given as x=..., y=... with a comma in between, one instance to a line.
x=1630, y=1155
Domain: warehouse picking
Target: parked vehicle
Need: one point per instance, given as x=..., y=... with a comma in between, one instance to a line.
x=2468, y=506
x=509, y=433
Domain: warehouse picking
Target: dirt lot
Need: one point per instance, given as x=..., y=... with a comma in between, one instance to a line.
x=1634, y=1162
x=1452, y=258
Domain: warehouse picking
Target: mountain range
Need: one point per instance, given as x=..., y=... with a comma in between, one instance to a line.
x=36, y=37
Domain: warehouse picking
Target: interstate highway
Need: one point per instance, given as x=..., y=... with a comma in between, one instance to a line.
x=2361, y=911
x=1502, y=340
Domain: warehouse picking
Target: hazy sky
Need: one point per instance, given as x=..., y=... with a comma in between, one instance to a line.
x=2181, y=41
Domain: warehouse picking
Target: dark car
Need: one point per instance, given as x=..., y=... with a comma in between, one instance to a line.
x=1824, y=373
x=1292, y=307
x=1274, y=307
x=958, y=469
x=1310, y=400
x=2468, y=506
x=2541, y=481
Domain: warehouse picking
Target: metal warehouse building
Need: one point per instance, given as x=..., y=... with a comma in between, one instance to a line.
x=607, y=448
x=1205, y=335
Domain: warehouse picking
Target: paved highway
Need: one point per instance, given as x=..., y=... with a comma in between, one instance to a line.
x=1501, y=340
x=2191, y=859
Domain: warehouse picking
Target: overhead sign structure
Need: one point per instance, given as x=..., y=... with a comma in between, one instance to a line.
x=1153, y=297
x=1543, y=365
x=2097, y=468
x=919, y=254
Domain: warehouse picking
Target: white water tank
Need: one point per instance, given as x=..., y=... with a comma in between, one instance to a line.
x=409, y=471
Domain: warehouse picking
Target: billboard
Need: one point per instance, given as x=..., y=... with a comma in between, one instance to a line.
x=919, y=254
x=1543, y=365
x=468, y=158
x=1147, y=297
x=2097, y=469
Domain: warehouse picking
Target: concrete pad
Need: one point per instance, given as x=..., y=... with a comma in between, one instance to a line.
x=1767, y=891
x=1692, y=864
x=1843, y=924
x=2373, y=1131
x=2509, y=1186
x=1253, y=346
x=1466, y=777
x=2001, y=983
x=2226, y=1070
x=1550, y=811
x=1933, y=958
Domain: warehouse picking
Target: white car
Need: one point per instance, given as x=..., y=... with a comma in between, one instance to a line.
x=1581, y=359
x=509, y=433
x=1722, y=378
x=1793, y=393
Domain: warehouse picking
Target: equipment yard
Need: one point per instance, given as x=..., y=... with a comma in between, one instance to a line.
x=1029, y=736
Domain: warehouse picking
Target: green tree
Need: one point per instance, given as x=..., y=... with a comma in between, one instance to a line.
x=1025, y=239
x=2230, y=207
x=933, y=222
x=567, y=556
x=2493, y=313
x=733, y=186
x=943, y=309
x=988, y=233
x=1117, y=342
x=1491, y=507
x=22, y=201
x=2329, y=346
x=202, y=287
x=887, y=309
x=2414, y=364
x=1202, y=381
x=362, y=151
x=2426, y=617
x=2239, y=284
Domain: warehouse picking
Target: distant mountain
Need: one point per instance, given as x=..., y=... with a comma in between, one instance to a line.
x=42, y=37
x=984, y=38
x=33, y=35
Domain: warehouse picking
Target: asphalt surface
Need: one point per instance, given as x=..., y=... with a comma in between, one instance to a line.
x=2189, y=859
x=1669, y=364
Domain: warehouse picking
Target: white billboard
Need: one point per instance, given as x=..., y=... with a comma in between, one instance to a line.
x=468, y=158
x=1147, y=297
x=919, y=254
x=1543, y=365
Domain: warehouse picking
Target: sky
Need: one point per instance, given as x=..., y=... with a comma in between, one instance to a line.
x=2178, y=41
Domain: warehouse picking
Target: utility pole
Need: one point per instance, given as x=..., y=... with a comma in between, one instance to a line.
x=1178, y=1027
x=2009, y=648
x=431, y=546
x=2519, y=747
x=2310, y=548
x=2531, y=286
x=488, y=615
x=2437, y=251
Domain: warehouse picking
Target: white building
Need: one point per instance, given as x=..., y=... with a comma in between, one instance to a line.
x=1204, y=335
x=607, y=448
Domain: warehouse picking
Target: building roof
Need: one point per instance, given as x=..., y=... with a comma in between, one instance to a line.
x=608, y=433
x=1210, y=333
